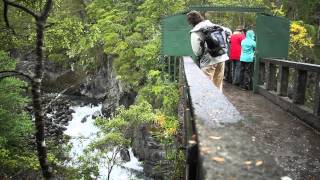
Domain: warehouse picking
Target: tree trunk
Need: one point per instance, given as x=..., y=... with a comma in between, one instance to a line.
x=36, y=100
x=36, y=81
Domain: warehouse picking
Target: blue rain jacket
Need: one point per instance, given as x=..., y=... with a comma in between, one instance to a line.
x=248, y=46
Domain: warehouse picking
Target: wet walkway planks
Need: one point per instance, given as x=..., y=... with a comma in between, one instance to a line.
x=292, y=146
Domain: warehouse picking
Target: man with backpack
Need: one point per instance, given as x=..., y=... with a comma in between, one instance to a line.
x=209, y=44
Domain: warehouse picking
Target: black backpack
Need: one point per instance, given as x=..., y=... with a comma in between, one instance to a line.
x=214, y=38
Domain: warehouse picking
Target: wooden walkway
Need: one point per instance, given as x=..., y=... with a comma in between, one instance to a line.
x=293, y=145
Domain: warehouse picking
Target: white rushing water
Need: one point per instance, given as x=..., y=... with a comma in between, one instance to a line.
x=82, y=133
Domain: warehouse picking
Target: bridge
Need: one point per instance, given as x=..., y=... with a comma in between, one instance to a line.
x=244, y=135
x=271, y=132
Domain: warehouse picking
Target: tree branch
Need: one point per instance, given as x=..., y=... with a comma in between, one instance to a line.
x=23, y=8
x=46, y=9
x=49, y=25
x=5, y=74
x=5, y=15
x=57, y=97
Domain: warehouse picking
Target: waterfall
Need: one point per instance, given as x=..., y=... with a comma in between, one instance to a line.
x=82, y=131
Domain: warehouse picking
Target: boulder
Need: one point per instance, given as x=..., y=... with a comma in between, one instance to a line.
x=125, y=155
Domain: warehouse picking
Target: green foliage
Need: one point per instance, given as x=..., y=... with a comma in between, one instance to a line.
x=162, y=94
x=89, y=166
x=127, y=118
x=16, y=125
x=302, y=13
x=300, y=41
x=177, y=158
x=156, y=105
x=13, y=161
x=130, y=31
x=66, y=32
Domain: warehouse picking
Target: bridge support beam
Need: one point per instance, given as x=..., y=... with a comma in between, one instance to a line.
x=300, y=87
x=271, y=77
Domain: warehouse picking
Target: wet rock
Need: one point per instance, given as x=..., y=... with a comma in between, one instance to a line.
x=29, y=108
x=63, y=128
x=59, y=114
x=95, y=114
x=52, y=131
x=49, y=110
x=70, y=111
x=84, y=119
x=104, y=82
x=125, y=155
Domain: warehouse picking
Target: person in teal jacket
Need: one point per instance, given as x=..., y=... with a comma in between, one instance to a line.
x=248, y=46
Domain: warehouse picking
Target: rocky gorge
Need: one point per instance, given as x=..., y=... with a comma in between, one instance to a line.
x=63, y=86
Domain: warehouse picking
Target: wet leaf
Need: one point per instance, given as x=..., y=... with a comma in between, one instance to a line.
x=253, y=138
x=205, y=150
x=215, y=137
x=286, y=178
x=218, y=159
x=259, y=163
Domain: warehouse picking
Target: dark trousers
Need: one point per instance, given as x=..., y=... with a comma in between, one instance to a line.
x=246, y=75
x=236, y=70
x=228, y=71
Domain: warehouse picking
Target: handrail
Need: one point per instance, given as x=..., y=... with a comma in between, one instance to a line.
x=206, y=108
x=274, y=85
x=292, y=64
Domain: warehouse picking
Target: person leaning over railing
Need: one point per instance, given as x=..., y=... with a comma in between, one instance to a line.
x=235, y=52
x=248, y=46
x=211, y=65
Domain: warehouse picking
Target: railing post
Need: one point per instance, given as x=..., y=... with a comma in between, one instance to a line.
x=175, y=68
x=262, y=72
x=163, y=63
x=271, y=77
x=300, y=87
x=169, y=65
x=256, y=74
x=317, y=96
x=282, y=88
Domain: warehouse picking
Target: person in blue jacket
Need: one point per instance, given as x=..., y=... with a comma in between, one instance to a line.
x=247, y=57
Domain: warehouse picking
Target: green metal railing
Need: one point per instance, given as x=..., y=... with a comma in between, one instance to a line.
x=174, y=67
x=170, y=65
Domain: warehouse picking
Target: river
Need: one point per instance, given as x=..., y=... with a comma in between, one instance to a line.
x=82, y=131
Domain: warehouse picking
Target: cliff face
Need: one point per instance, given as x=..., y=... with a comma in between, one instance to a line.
x=151, y=152
x=102, y=85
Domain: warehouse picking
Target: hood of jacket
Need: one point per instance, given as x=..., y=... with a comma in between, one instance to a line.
x=202, y=24
x=250, y=35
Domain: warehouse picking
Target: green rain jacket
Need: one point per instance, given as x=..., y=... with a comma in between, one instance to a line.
x=248, y=46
